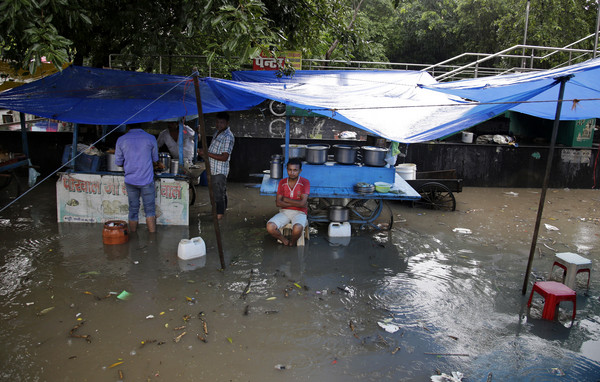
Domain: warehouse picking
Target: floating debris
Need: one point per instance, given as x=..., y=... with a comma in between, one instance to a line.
x=464, y=231
x=178, y=338
x=116, y=364
x=87, y=337
x=283, y=367
x=557, y=371
x=351, y=325
x=455, y=377
x=390, y=328
x=550, y=227
x=124, y=295
x=45, y=311
x=271, y=298
x=396, y=350
x=149, y=317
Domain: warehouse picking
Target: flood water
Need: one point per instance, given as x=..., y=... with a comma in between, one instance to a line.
x=450, y=301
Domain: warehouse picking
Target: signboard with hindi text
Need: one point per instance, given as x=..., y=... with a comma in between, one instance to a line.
x=267, y=62
x=95, y=198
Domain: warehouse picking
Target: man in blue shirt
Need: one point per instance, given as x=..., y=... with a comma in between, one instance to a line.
x=137, y=152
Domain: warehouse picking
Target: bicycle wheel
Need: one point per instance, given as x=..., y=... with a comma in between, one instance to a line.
x=277, y=108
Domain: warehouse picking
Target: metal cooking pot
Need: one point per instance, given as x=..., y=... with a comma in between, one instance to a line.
x=345, y=154
x=296, y=151
x=339, y=214
x=316, y=153
x=374, y=156
x=110, y=163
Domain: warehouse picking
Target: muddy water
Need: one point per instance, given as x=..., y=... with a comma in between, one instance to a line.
x=456, y=296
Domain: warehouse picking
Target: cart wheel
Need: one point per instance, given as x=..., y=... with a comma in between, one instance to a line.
x=435, y=196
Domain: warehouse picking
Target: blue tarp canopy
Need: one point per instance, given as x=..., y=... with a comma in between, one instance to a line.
x=404, y=106
x=111, y=97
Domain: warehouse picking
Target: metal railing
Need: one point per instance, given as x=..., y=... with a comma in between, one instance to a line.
x=451, y=69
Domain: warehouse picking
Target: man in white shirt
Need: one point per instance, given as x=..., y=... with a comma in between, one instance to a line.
x=170, y=137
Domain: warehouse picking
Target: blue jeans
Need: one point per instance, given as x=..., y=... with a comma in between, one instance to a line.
x=220, y=192
x=147, y=193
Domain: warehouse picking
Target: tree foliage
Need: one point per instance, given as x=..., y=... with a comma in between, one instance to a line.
x=413, y=31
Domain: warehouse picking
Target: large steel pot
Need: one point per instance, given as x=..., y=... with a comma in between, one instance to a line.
x=316, y=153
x=374, y=156
x=110, y=163
x=345, y=154
x=296, y=151
x=339, y=214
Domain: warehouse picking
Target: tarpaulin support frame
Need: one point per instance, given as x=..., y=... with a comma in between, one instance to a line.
x=561, y=93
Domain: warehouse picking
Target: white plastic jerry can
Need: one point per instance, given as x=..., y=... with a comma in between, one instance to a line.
x=191, y=249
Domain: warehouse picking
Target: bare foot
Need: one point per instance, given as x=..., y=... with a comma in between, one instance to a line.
x=285, y=241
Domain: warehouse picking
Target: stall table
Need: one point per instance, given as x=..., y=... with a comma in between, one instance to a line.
x=98, y=197
x=333, y=184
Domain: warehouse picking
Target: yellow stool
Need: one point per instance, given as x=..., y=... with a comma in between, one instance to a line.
x=286, y=230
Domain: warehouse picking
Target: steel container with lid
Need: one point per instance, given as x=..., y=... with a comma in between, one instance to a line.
x=165, y=159
x=276, y=170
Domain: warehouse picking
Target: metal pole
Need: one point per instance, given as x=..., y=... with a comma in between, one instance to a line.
x=180, y=144
x=525, y=35
x=286, y=154
x=597, y=27
x=208, y=173
x=24, y=142
x=561, y=92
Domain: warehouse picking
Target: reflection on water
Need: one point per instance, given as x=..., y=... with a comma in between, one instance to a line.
x=449, y=302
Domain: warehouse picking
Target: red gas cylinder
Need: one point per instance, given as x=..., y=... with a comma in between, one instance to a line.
x=115, y=232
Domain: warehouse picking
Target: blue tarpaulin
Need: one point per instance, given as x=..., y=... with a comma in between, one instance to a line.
x=111, y=97
x=404, y=106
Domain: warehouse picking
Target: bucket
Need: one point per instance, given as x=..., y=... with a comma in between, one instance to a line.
x=467, y=137
x=337, y=229
x=408, y=171
x=191, y=249
x=115, y=232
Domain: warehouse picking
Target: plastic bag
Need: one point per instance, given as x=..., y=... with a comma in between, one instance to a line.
x=33, y=175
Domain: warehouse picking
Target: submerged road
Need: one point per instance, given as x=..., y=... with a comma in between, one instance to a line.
x=438, y=293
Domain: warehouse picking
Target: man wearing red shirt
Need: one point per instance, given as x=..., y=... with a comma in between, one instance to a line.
x=292, y=200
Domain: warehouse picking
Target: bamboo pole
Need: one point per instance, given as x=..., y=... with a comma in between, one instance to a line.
x=208, y=171
x=561, y=93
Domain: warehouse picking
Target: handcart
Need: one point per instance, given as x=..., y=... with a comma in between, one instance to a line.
x=437, y=189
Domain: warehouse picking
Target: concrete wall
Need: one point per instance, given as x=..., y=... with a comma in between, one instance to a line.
x=477, y=165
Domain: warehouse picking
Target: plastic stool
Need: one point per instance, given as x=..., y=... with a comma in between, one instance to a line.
x=553, y=293
x=572, y=264
x=286, y=230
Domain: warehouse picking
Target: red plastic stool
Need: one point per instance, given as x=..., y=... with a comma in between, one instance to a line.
x=553, y=293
